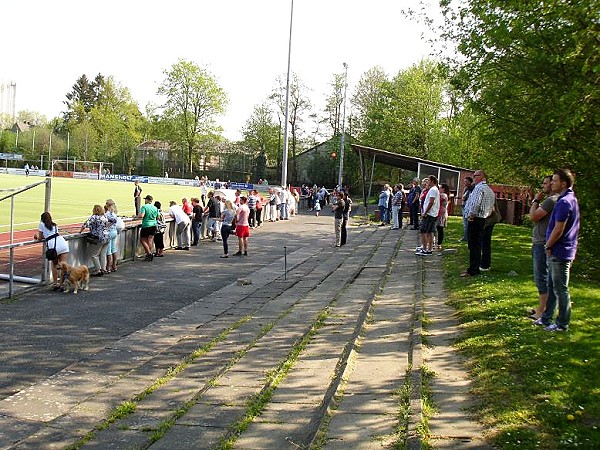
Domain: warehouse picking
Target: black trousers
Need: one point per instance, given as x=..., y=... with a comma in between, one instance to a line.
x=474, y=236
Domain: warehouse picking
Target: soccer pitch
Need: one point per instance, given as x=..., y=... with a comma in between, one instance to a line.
x=72, y=200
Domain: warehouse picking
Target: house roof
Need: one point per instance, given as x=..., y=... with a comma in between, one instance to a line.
x=400, y=160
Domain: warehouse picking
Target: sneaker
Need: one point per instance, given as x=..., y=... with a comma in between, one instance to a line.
x=245, y=253
x=423, y=252
x=539, y=323
x=554, y=328
x=419, y=248
x=481, y=269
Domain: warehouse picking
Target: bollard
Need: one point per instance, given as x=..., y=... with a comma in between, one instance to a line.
x=285, y=262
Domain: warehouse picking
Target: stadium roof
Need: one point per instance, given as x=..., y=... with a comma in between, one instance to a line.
x=400, y=160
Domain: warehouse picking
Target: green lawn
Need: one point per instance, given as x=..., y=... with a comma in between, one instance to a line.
x=535, y=389
x=72, y=200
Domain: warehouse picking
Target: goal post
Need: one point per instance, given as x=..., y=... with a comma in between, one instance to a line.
x=99, y=168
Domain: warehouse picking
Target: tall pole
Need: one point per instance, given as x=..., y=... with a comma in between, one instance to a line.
x=287, y=106
x=342, y=140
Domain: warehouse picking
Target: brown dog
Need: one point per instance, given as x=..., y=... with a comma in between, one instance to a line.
x=73, y=276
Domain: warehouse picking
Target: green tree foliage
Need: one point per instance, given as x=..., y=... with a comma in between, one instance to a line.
x=334, y=105
x=261, y=133
x=103, y=122
x=531, y=72
x=193, y=100
x=402, y=114
x=299, y=108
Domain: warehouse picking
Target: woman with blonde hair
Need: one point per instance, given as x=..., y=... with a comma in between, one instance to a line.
x=110, y=209
x=98, y=225
x=227, y=217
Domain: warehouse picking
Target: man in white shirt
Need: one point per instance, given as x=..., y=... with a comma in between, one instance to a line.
x=431, y=208
x=183, y=226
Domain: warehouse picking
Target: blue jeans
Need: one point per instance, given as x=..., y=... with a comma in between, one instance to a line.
x=558, y=291
x=465, y=229
x=196, y=231
x=540, y=267
x=383, y=214
x=225, y=232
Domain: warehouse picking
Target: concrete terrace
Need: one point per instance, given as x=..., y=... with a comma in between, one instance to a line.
x=327, y=354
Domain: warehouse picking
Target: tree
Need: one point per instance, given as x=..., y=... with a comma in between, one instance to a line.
x=261, y=132
x=299, y=108
x=334, y=105
x=401, y=114
x=193, y=99
x=530, y=71
x=365, y=98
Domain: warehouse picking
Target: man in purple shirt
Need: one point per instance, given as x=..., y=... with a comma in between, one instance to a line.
x=561, y=248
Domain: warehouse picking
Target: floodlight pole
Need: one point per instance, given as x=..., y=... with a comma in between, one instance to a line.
x=287, y=105
x=342, y=140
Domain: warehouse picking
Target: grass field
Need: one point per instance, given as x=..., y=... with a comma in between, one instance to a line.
x=536, y=390
x=72, y=200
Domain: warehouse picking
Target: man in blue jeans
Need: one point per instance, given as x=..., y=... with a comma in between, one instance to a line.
x=561, y=248
x=540, y=211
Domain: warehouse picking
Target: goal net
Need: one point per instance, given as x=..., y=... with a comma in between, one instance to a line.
x=99, y=168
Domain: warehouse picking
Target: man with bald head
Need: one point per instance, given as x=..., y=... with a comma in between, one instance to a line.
x=480, y=205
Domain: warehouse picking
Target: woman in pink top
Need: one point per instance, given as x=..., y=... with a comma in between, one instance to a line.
x=242, y=229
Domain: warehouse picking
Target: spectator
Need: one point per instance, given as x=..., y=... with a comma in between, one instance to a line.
x=414, y=194
x=110, y=209
x=197, y=213
x=183, y=226
x=214, y=212
x=431, y=209
x=561, y=248
x=337, y=207
x=468, y=189
x=161, y=227
x=187, y=207
x=384, y=196
x=48, y=232
x=148, y=214
x=98, y=225
x=442, y=218
x=252, y=202
x=539, y=212
x=227, y=217
x=137, y=197
x=317, y=208
x=260, y=203
x=397, y=208
x=347, y=209
x=242, y=230
x=479, y=206
x=284, y=207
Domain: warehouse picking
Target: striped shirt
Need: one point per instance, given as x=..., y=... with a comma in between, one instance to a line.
x=252, y=202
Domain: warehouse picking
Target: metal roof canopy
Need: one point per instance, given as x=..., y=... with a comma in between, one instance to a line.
x=402, y=161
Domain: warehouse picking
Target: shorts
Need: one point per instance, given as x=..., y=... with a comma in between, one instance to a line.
x=427, y=225
x=242, y=231
x=148, y=231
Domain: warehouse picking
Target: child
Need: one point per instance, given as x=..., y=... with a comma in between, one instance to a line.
x=317, y=208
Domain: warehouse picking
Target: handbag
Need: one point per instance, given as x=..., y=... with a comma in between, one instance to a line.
x=51, y=253
x=494, y=217
x=91, y=239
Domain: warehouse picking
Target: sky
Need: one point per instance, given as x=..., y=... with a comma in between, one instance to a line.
x=48, y=45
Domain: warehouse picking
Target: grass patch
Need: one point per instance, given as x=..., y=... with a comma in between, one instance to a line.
x=535, y=389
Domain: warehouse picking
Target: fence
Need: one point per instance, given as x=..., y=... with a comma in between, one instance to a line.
x=26, y=265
